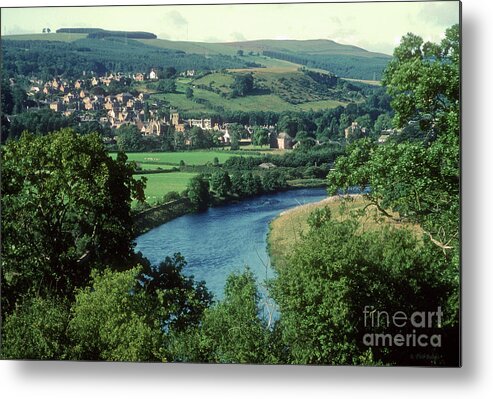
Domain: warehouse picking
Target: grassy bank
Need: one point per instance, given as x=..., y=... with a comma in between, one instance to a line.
x=288, y=228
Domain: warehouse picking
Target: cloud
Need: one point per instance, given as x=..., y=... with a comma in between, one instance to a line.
x=439, y=14
x=238, y=37
x=176, y=18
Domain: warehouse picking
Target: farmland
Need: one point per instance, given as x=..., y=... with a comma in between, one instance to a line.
x=173, y=158
x=160, y=184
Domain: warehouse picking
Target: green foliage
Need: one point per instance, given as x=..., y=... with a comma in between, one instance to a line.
x=39, y=122
x=418, y=179
x=336, y=271
x=113, y=320
x=260, y=136
x=36, y=330
x=129, y=139
x=189, y=93
x=199, y=138
x=221, y=183
x=167, y=85
x=65, y=204
x=424, y=82
x=52, y=58
x=198, y=192
x=242, y=85
x=231, y=331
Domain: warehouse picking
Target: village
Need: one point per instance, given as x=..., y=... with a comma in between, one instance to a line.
x=87, y=99
x=115, y=111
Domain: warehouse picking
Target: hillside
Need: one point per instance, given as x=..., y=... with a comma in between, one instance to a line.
x=344, y=60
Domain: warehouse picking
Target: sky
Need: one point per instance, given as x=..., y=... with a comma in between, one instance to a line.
x=376, y=26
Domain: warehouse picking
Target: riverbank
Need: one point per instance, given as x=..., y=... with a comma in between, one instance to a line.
x=157, y=215
x=286, y=231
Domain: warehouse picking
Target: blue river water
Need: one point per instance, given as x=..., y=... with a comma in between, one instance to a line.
x=224, y=239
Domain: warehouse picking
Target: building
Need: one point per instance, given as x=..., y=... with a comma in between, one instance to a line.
x=139, y=77
x=355, y=130
x=57, y=106
x=153, y=75
x=204, y=124
x=284, y=141
x=175, y=119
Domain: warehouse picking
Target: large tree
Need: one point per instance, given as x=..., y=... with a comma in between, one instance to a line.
x=419, y=178
x=65, y=204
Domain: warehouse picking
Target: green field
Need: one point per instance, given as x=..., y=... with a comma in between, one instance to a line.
x=159, y=184
x=174, y=158
x=153, y=166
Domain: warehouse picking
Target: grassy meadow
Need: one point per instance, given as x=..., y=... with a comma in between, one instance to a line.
x=159, y=184
x=288, y=228
x=173, y=158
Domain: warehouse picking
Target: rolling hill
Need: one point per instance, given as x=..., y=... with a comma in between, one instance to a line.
x=343, y=60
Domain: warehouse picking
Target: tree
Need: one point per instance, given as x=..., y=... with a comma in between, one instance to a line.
x=231, y=331
x=167, y=86
x=113, y=320
x=129, y=138
x=19, y=98
x=189, y=93
x=239, y=53
x=169, y=72
x=199, y=138
x=235, y=131
x=238, y=184
x=36, y=330
x=337, y=271
x=65, y=206
x=424, y=82
x=383, y=122
x=419, y=179
x=198, y=192
x=260, y=136
x=242, y=85
x=221, y=183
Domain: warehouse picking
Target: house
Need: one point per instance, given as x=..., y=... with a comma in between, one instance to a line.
x=153, y=75
x=94, y=81
x=122, y=98
x=175, y=119
x=354, y=130
x=139, y=77
x=57, y=106
x=204, y=124
x=284, y=141
x=154, y=128
x=180, y=127
x=78, y=84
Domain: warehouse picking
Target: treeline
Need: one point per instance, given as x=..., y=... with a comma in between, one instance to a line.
x=342, y=65
x=46, y=59
x=96, y=33
x=220, y=186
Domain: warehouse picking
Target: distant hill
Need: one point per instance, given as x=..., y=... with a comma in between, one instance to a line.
x=345, y=61
x=96, y=33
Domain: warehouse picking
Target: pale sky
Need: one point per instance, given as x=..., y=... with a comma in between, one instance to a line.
x=374, y=26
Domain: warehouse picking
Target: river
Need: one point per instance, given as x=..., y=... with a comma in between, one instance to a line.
x=224, y=239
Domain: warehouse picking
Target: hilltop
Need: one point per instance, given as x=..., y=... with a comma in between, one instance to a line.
x=346, y=61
